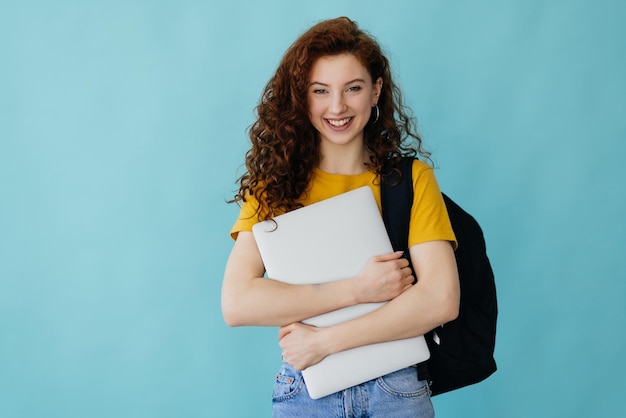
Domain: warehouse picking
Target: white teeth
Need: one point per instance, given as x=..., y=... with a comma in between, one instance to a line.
x=339, y=123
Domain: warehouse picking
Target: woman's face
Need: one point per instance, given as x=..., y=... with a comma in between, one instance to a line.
x=340, y=99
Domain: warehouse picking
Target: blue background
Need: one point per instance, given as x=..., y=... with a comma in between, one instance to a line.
x=122, y=130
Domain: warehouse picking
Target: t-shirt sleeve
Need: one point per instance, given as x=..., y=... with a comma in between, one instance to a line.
x=429, y=216
x=247, y=218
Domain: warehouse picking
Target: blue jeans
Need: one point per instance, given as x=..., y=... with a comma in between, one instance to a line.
x=395, y=395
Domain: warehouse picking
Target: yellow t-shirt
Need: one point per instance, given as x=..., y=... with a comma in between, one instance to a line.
x=429, y=217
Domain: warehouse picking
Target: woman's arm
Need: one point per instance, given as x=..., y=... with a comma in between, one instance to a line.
x=250, y=299
x=432, y=301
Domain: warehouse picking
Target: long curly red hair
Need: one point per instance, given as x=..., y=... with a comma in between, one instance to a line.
x=285, y=145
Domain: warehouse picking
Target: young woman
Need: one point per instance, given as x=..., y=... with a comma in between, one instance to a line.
x=328, y=120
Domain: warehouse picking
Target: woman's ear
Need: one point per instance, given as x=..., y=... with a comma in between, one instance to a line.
x=378, y=88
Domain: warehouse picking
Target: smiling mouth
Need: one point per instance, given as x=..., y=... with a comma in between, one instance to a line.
x=338, y=123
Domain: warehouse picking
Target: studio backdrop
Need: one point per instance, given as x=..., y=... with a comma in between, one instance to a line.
x=123, y=129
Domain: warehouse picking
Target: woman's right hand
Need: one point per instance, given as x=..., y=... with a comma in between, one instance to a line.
x=383, y=278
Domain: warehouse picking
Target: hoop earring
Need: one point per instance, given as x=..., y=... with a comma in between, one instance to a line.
x=377, y=114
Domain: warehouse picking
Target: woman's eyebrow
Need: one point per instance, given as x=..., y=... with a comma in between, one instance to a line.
x=356, y=80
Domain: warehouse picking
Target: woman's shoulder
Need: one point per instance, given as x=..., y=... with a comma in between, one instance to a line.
x=421, y=170
x=420, y=166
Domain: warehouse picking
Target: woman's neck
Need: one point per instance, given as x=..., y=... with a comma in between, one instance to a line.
x=342, y=161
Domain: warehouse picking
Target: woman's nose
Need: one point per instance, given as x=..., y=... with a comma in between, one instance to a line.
x=338, y=104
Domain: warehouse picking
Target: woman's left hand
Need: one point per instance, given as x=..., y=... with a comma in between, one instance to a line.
x=302, y=345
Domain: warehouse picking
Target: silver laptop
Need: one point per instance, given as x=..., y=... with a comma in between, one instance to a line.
x=331, y=240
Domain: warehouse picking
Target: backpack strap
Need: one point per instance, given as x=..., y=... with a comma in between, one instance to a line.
x=396, y=195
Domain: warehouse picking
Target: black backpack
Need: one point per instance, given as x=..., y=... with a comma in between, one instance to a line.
x=461, y=351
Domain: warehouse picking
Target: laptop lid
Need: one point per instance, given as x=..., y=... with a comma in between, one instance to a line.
x=332, y=240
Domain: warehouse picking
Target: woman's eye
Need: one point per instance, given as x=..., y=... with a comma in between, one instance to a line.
x=354, y=88
x=319, y=91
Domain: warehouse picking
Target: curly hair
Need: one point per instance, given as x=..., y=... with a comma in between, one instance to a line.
x=285, y=145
